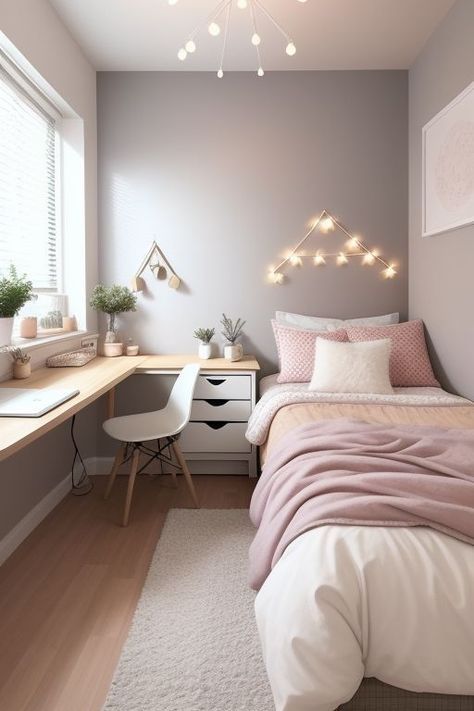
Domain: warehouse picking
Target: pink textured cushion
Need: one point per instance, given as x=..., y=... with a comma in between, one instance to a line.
x=296, y=351
x=409, y=360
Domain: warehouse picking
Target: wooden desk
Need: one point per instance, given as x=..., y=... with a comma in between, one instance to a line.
x=98, y=377
x=174, y=363
x=93, y=380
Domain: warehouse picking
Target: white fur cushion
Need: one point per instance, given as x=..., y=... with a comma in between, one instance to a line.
x=341, y=368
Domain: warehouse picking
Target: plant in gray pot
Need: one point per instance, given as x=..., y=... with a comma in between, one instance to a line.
x=112, y=301
x=15, y=291
x=204, y=336
x=231, y=331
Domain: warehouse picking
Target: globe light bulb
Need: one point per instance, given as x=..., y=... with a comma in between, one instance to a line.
x=276, y=277
x=242, y=4
x=326, y=224
x=190, y=46
x=341, y=259
x=214, y=29
x=295, y=260
x=172, y=2
x=290, y=49
x=319, y=259
x=301, y=0
x=389, y=272
x=260, y=72
x=182, y=54
x=256, y=39
x=220, y=73
x=368, y=258
x=353, y=243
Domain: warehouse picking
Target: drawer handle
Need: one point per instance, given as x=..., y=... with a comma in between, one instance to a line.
x=216, y=403
x=215, y=382
x=217, y=425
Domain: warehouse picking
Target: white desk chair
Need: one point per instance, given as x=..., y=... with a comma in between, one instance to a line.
x=164, y=426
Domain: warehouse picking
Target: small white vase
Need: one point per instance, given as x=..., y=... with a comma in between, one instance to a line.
x=233, y=352
x=205, y=351
x=21, y=370
x=6, y=328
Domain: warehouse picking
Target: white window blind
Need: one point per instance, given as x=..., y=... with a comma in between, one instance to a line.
x=28, y=179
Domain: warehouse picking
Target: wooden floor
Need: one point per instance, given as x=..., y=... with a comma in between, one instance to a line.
x=67, y=595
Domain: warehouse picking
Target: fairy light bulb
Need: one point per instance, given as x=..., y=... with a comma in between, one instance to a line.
x=368, y=258
x=220, y=74
x=214, y=29
x=276, y=277
x=353, y=243
x=242, y=4
x=326, y=224
x=182, y=54
x=190, y=46
x=256, y=39
x=295, y=260
x=290, y=49
x=172, y=2
x=389, y=272
x=341, y=259
x=260, y=72
x=319, y=260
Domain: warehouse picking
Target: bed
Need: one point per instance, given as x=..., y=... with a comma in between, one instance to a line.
x=345, y=611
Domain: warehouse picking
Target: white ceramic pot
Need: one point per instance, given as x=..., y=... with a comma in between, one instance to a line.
x=21, y=370
x=29, y=327
x=6, y=328
x=205, y=351
x=233, y=352
x=112, y=350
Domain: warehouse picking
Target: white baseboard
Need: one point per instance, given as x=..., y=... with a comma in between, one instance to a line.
x=33, y=518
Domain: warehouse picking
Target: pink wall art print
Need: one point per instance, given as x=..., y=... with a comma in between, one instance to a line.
x=448, y=166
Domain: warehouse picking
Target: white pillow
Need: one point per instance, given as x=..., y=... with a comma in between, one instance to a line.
x=341, y=368
x=318, y=323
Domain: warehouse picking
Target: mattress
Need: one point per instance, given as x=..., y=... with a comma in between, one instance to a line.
x=451, y=412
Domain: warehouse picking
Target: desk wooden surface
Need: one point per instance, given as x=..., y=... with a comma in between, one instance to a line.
x=92, y=381
x=98, y=377
x=176, y=362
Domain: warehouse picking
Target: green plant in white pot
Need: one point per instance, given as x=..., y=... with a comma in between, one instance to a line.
x=112, y=301
x=15, y=291
x=232, y=331
x=204, y=336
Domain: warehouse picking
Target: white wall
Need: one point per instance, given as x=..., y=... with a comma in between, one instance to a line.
x=441, y=284
x=36, y=31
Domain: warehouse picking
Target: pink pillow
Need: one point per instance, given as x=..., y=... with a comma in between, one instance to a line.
x=409, y=360
x=296, y=350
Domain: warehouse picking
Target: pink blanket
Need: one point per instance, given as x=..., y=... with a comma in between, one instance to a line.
x=350, y=472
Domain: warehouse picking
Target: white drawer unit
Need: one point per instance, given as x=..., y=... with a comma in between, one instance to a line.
x=215, y=436
x=224, y=397
x=226, y=387
x=223, y=410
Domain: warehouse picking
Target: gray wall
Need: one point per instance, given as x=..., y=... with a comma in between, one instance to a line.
x=441, y=282
x=227, y=173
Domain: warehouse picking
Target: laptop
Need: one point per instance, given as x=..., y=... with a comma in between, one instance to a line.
x=24, y=402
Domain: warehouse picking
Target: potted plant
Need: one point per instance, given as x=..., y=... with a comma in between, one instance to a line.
x=21, y=362
x=15, y=291
x=112, y=300
x=231, y=331
x=204, y=336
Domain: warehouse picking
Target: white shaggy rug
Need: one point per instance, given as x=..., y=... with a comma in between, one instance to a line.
x=193, y=645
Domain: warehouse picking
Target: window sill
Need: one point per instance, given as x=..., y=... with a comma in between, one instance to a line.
x=31, y=344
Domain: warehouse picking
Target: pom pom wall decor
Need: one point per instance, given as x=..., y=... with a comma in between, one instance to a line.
x=354, y=248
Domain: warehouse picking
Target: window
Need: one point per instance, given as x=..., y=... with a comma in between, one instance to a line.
x=28, y=186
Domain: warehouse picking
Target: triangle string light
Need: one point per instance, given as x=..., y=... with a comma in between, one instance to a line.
x=355, y=247
x=222, y=14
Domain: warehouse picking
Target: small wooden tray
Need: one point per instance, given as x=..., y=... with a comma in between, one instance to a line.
x=73, y=359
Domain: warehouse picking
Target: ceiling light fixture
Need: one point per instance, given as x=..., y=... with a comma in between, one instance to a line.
x=223, y=10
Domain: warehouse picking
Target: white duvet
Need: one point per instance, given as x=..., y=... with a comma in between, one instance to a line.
x=346, y=602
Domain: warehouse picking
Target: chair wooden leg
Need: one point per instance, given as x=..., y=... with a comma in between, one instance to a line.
x=186, y=472
x=131, y=483
x=115, y=467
